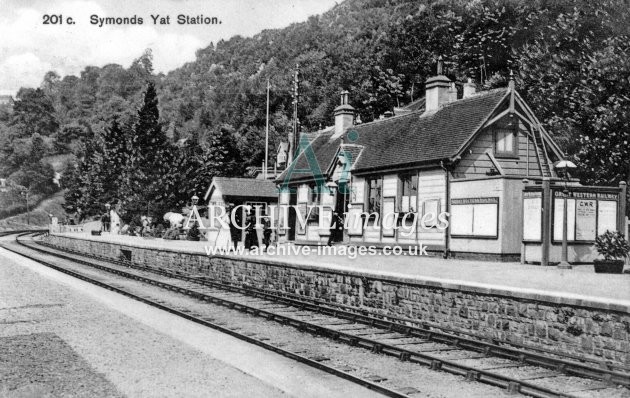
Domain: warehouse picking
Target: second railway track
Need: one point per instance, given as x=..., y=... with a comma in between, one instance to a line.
x=515, y=370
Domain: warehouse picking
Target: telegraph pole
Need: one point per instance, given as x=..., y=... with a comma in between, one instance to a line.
x=266, y=165
x=296, y=98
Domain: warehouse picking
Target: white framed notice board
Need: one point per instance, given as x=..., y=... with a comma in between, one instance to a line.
x=475, y=217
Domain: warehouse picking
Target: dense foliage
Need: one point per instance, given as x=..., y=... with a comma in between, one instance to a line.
x=612, y=245
x=151, y=141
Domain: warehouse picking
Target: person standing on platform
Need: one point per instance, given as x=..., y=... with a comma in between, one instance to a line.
x=235, y=232
x=267, y=233
x=251, y=238
x=336, y=228
x=105, y=220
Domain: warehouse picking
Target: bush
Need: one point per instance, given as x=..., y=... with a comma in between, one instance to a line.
x=612, y=245
x=171, y=234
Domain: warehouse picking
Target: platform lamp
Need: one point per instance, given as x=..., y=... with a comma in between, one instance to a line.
x=564, y=167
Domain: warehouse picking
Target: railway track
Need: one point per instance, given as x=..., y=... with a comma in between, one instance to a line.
x=515, y=370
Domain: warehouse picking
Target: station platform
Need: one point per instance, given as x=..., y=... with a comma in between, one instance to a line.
x=578, y=286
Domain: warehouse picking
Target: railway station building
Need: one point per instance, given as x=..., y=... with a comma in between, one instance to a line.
x=470, y=154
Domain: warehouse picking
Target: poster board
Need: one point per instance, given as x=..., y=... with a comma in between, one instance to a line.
x=389, y=217
x=355, y=221
x=606, y=216
x=462, y=220
x=532, y=219
x=475, y=217
x=558, y=207
x=431, y=206
x=585, y=219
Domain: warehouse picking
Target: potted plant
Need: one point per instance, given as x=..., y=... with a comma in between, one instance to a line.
x=614, y=247
x=194, y=233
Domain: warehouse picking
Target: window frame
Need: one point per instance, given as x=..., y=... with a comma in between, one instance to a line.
x=513, y=153
x=409, y=177
x=378, y=180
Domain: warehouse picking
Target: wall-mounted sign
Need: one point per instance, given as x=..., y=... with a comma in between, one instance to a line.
x=475, y=217
x=587, y=195
x=558, y=208
x=532, y=218
x=589, y=214
x=606, y=216
x=585, y=219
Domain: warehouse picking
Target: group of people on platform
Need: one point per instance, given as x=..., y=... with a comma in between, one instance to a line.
x=249, y=236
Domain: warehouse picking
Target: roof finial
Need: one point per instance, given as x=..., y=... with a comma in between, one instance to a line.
x=440, y=65
x=511, y=81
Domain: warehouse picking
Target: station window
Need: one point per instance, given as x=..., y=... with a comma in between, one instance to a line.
x=407, y=192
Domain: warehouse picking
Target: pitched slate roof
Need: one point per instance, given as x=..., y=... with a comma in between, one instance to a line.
x=421, y=138
x=325, y=149
x=410, y=139
x=244, y=187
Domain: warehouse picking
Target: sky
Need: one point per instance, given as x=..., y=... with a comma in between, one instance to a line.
x=29, y=48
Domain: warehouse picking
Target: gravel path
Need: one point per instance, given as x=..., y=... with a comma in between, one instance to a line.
x=61, y=341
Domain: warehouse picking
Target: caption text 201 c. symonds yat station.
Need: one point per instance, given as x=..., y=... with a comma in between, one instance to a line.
x=153, y=19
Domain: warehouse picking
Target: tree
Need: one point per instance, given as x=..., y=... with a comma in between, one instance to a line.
x=150, y=156
x=575, y=77
x=33, y=113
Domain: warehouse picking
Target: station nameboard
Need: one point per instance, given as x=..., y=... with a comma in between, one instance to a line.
x=586, y=195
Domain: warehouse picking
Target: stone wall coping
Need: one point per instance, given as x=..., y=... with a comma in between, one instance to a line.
x=552, y=298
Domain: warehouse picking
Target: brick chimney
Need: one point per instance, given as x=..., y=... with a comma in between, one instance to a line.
x=344, y=115
x=437, y=89
x=470, y=88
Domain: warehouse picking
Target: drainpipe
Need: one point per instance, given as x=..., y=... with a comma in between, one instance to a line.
x=447, y=231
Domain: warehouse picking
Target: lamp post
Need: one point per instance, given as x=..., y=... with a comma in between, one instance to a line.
x=564, y=167
x=28, y=213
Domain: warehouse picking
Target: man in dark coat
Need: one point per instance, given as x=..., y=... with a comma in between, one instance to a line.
x=251, y=237
x=267, y=232
x=336, y=228
x=235, y=232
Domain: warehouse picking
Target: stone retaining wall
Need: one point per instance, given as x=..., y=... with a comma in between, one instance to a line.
x=571, y=326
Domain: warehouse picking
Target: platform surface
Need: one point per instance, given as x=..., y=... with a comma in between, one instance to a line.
x=578, y=285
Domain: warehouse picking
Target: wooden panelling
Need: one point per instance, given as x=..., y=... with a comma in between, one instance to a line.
x=475, y=162
x=431, y=186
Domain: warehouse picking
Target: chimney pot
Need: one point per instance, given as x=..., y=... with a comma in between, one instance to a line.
x=344, y=115
x=437, y=89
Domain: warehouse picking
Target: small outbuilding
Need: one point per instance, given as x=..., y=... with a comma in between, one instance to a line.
x=257, y=193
